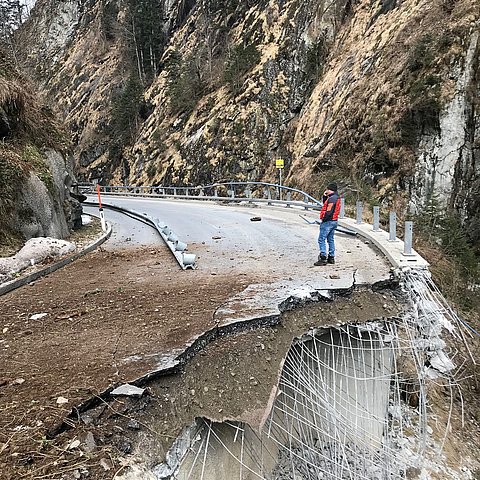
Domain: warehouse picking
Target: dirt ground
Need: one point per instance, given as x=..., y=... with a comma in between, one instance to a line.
x=107, y=323
x=100, y=311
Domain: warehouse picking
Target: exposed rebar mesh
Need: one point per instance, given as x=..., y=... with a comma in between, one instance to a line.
x=351, y=403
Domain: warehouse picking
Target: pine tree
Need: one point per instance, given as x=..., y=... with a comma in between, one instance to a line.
x=147, y=24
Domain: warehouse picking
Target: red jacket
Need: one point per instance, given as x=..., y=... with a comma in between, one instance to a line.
x=331, y=207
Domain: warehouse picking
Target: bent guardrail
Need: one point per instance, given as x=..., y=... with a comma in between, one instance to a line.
x=178, y=248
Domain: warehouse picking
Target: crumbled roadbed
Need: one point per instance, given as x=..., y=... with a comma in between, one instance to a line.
x=106, y=323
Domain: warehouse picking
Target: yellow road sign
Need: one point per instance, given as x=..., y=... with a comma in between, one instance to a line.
x=279, y=163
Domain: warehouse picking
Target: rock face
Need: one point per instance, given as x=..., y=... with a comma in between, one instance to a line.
x=46, y=209
x=449, y=160
x=35, y=178
x=380, y=94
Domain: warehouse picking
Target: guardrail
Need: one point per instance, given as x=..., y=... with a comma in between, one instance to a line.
x=260, y=192
x=400, y=253
x=179, y=249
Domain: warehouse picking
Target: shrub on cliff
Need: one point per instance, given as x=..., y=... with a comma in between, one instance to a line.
x=240, y=60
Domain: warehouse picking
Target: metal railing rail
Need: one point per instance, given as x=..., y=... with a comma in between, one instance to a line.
x=178, y=248
x=260, y=192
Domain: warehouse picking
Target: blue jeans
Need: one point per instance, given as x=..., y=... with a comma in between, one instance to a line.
x=327, y=233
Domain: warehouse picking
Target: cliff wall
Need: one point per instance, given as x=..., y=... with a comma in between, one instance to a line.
x=35, y=174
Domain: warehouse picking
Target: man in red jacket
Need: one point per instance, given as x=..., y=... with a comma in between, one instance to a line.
x=329, y=218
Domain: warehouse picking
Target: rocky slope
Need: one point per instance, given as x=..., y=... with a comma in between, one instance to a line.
x=381, y=94
x=34, y=176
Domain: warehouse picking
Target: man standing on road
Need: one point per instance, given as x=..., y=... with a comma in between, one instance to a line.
x=329, y=219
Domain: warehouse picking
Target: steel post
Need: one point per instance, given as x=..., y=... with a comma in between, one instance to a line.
x=408, y=238
x=393, y=226
x=359, y=212
x=180, y=246
x=342, y=208
x=188, y=260
x=376, y=219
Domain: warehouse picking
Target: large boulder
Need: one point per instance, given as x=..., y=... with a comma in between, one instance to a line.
x=44, y=206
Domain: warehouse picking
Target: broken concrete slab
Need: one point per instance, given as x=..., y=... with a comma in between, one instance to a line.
x=128, y=390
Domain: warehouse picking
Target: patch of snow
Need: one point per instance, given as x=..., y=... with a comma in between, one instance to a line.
x=86, y=219
x=35, y=251
x=38, y=316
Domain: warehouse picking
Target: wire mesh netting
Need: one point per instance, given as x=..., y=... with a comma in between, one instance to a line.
x=351, y=403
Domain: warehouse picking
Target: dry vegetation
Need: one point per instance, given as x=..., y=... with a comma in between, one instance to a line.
x=26, y=127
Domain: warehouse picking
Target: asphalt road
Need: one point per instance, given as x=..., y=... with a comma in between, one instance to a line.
x=279, y=250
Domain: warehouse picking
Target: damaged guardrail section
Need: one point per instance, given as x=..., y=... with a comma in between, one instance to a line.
x=178, y=248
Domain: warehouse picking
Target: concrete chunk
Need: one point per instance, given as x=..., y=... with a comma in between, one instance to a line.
x=128, y=390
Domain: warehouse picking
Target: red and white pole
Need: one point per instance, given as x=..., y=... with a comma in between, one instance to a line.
x=100, y=209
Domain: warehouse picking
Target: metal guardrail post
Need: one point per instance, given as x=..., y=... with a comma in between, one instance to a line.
x=180, y=246
x=342, y=208
x=359, y=212
x=408, y=238
x=289, y=198
x=393, y=227
x=305, y=201
x=172, y=238
x=269, y=196
x=175, y=191
x=186, y=191
x=215, y=192
x=376, y=219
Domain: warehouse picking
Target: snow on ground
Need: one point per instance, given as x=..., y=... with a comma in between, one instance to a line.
x=35, y=250
x=86, y=220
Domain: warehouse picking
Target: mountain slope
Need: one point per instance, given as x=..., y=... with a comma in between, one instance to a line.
x=381, y=95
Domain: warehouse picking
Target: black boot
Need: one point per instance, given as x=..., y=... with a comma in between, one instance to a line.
x=322, y=260
x=331, y=260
